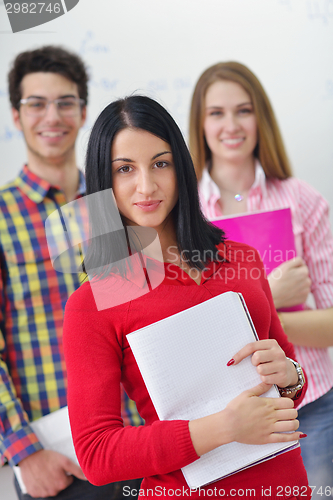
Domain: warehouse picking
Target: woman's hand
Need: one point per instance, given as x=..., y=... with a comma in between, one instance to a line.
x=270, y=361
x=290, y=283
x=259, y=420
x=248, y=419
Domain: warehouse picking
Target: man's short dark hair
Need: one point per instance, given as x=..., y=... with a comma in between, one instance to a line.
x=48, y=59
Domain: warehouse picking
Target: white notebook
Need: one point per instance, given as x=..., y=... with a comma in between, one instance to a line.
x=54, y=433
x=183, y=362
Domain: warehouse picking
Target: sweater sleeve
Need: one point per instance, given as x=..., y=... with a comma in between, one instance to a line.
x=276, y=331
x=108, y=451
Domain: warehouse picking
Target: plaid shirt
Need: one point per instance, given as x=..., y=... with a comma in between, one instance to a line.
x=32, y=299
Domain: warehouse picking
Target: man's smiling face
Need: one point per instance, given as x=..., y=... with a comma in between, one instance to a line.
x=50, y=137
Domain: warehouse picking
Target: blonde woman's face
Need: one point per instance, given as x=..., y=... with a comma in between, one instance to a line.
x=230, y=125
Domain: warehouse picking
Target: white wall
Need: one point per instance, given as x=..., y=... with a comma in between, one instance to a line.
x=161, y=47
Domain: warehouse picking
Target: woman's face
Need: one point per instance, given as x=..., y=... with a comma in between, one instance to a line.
x=230, y=125
x=144, y=178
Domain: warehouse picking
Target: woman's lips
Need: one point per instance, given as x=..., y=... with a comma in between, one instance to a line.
x=234, y=142
x=148, y=206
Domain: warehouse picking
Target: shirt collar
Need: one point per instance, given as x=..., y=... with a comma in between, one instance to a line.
x=209, y=188
x=37, y=188
x=259, y=179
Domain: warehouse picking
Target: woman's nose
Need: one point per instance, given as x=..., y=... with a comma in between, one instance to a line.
x=231, y=123
x=146, y=184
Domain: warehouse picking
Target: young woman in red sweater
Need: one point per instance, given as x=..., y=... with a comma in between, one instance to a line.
x=136, y=149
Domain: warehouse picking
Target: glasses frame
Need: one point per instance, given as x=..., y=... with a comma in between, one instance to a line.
x=80, y=101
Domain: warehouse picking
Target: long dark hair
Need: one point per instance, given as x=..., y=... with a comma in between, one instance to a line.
x=196, y=237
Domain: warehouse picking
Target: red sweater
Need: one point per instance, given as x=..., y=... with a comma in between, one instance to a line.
x=99, y=358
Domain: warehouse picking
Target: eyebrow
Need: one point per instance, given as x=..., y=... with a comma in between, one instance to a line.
x=60, y=97
x=153, y=158
x=238, y=105
x=160, y=154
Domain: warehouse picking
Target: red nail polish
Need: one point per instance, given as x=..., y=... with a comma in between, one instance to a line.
x=231, y=362
x=303, y=436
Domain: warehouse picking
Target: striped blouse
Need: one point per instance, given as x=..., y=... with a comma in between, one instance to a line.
x=314, y=243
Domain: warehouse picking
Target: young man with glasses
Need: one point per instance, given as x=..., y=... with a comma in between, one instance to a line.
x=48, y=93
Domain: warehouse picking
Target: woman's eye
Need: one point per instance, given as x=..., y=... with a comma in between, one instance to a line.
x=245, y=111
x=161, y=164
x=216, y=113
x=125, y=169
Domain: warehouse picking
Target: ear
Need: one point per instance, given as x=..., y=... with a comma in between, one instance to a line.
x=16, y=118
x=83, y=115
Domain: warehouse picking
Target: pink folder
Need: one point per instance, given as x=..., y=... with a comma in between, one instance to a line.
x=270, y=232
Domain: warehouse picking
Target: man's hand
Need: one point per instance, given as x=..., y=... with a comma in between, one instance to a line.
x=46, y=473
x=290, y=283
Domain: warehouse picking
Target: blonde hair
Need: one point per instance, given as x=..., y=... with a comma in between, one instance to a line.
x=269, y=150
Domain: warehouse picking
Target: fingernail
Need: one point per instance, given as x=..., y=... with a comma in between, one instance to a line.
x=231, y=362
x=303, y=436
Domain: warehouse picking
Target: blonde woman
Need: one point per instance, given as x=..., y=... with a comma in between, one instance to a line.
x=242, y=166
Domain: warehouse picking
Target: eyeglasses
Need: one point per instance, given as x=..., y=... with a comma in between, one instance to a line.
x=66, y=106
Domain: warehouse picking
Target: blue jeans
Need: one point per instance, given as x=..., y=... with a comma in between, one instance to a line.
x=82, y=490
x=316, y=420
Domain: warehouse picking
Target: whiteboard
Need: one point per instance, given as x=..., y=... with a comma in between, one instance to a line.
x=160, y=47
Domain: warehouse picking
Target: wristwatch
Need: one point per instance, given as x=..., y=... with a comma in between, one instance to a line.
x=300, y=383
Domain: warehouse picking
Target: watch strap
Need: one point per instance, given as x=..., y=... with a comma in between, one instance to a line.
x=301, y=380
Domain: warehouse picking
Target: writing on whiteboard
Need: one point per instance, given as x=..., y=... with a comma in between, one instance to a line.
x=182, y=83
x=8, y=134
x=89, y=44
x=329, y=89
x=104, y=83
x=157, y=85
x=286, y=3
x=320, y=9
x=315, y=10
